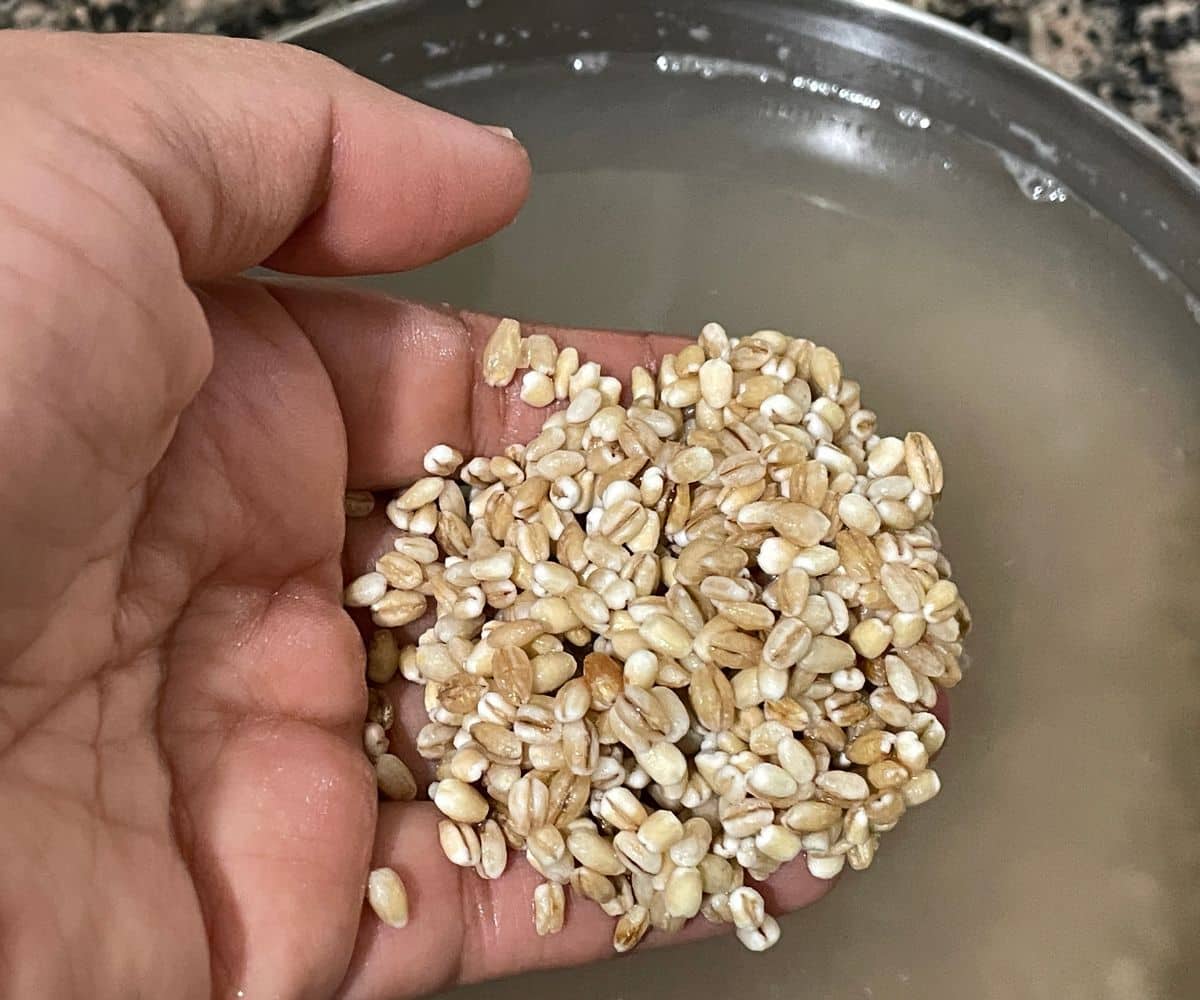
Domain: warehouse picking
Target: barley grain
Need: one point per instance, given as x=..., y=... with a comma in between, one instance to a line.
x=739, y=539
x=921, y=788
x=388, y=897
x=358, y=503
x=594, y=852
x=843, y=785
x=684, y=893
x=923, y=463
x=501, y=352
x=383, y=657
x=664, y=763
x=442, y=460
x=459, y=843
x=398, y=607
x=825, y=866
x=375, y=740
x=365, y=590
x=537, y=389
x=631, y=928
x=460, y=802
x=549, y=907
x=394, y=778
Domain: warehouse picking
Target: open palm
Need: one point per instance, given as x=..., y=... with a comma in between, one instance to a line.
x=186, y=807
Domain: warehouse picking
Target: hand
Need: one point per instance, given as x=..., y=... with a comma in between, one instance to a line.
x=186, y=807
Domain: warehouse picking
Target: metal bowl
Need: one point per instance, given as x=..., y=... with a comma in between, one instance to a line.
x=1001, y=261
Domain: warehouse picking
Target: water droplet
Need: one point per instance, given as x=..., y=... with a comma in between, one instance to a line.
x=1034, y=183
x=826, y=89
x=912, y=118
x=589, y=62
x=713, y=67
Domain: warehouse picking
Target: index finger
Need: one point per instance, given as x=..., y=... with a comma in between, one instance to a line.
x=256, y=151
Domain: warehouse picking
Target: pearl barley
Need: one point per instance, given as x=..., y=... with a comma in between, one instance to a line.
x=675, y=644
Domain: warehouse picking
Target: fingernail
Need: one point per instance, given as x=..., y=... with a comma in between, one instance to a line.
x=500, y=130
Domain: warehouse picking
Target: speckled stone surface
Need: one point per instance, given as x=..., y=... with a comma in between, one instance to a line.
x=1143, y=57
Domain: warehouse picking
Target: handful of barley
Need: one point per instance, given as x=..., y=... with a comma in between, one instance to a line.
x=677, y=642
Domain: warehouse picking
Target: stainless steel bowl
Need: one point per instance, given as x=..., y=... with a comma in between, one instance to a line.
x=1001, y=261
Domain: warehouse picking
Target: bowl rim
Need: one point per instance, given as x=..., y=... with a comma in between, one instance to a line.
x=1148, y=144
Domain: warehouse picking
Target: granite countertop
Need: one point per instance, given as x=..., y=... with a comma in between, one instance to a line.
x=1143, y=57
